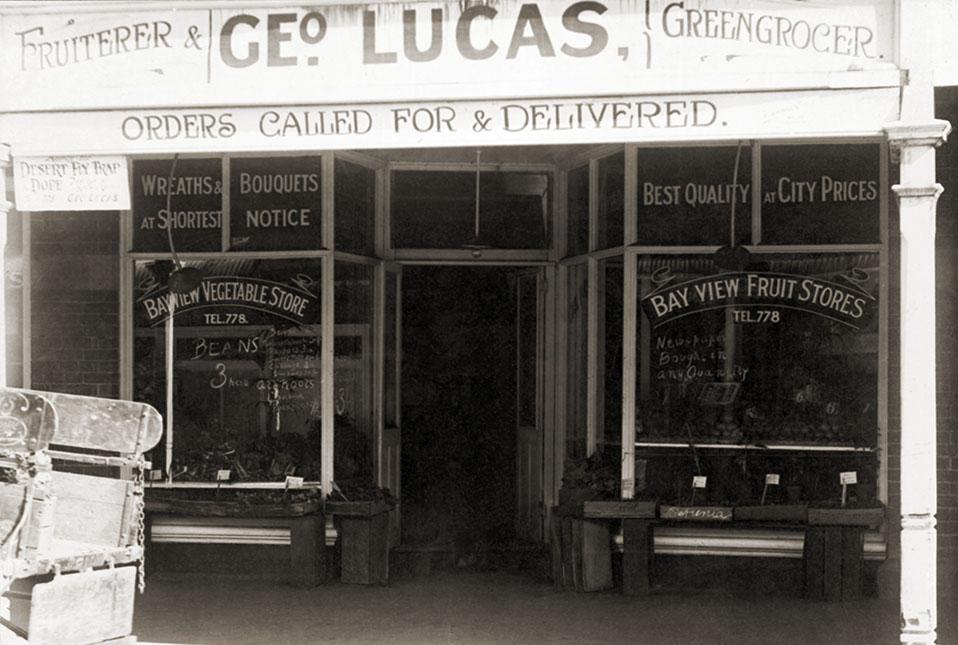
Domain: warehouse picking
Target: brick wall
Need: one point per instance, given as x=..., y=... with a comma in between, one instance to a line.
x=74, y=303
x=946, y=107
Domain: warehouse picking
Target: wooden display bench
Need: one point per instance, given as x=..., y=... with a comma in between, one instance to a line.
x=229, y=523
x=638, y=520
x=364, y=540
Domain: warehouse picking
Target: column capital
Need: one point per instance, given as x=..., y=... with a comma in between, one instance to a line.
x=933, y=132
x=930, y=191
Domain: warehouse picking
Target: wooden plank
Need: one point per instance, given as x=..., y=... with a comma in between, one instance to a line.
x=814, y=562
x=832, y=579
x=555, y=543
x=852, y=542
x=365, y=549
x=637, y=555
x=596, y=555
x=307, y=550
x=90, y=509
x=615, y=509
x=568, y=570
x=576, y=550
x=379, y=549
x=82, y=607
x=872, y=517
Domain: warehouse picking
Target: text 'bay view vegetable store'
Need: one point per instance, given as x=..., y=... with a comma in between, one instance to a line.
x=495, y=258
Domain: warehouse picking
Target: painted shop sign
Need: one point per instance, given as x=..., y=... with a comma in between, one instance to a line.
x=71, y=183
x=195, y=199
x=762, y=295
x=275, y=203
x=393, y=51
x=225, y=299
x=638, y=118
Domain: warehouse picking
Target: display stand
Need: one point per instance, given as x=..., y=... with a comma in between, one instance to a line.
x=833, y=558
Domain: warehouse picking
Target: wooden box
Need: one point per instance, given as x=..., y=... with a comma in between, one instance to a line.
x=364, y=540
x=85, y=607
x=581, y=553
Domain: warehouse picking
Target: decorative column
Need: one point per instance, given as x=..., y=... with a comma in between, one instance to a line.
x=917, y=197
x=5, y=207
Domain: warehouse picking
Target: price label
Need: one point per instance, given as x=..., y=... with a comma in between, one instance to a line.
x=223, y=475
x=294, y=482
x=699, y=481
x=771, y=479
x=849, y=477
x=156, y=474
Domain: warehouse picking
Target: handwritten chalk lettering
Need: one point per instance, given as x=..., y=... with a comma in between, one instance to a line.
x=608, y=115
x=767, y=29
x=38, y=54
x=689, y=358
x=314, y=123
x=703, y=513
x=693, y=340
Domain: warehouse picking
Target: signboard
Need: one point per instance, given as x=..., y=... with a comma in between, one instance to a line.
x=821, y=194
x=194, y=193
x=242, y=55
x=71, y=183
x=685, y=195
x=275, y=204
x=224, y=298
x=611, y=119
x=847, y=303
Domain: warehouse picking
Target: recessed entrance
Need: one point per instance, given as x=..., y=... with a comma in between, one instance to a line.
x=459, y=388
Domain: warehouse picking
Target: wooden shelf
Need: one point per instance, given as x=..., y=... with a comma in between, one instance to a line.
x=752, y=446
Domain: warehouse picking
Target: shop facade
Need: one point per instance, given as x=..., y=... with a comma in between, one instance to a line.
x=695, y=206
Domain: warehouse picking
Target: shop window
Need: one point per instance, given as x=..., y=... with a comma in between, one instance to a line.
x=437, y=209
x=390, y=344
x=246, y=367
x=355, y=208
x=353, y=375
x=577, y=310
x=780, y=356
x=275, y=204
x=577, y=201
x=195, y=197
x=821, y=194
x=685, y=196
x=610, y=350
x=611, y=200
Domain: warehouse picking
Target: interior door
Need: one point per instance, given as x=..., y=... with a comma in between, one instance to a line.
x=529, y=404
x=389, y=471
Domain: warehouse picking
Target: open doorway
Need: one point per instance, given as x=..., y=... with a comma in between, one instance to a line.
x=459, y=409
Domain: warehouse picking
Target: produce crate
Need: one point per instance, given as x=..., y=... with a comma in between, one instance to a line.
x=364, y=540
x=581, y=553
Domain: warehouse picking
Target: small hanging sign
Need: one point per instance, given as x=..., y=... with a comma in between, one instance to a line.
x=75, y=183
x=771, y=479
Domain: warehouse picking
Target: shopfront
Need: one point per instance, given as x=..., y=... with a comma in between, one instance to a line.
x=687, y=206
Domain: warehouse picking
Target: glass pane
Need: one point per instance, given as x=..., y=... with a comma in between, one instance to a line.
x=276, y=204
x=355, y=208
x=246, y=373
x=610, y=350
x=578, y=207
x=353, y=375
x=781, y=354
x=576, y=355
x=611, y=200
x=434, y=209
x=821, y=194
x=195, y=204
x=685, y=196
x=528, y=346
x=391, y=349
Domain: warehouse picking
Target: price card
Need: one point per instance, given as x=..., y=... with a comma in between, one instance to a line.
x=771, y=479
x=294, y=482
x=223, y=475
x=849, y=477
x=156, y=474
x=698, y=481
